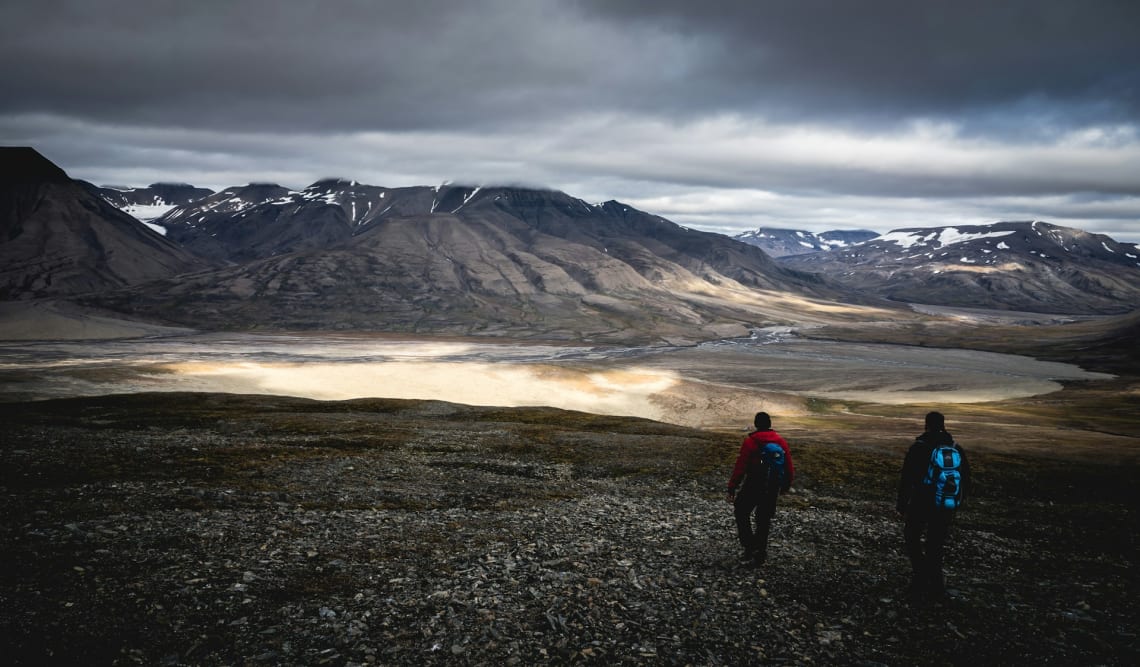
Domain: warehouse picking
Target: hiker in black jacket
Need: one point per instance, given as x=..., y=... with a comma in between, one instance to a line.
x=931, y=489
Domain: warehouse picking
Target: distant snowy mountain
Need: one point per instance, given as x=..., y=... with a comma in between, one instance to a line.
x=1033, y=266
x=783, y=242
x=151, y=202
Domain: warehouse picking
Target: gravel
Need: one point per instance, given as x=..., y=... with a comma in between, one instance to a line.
x=270, y=531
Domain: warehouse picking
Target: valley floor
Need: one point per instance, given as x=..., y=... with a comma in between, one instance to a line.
x=719, y=384
x=205, y=529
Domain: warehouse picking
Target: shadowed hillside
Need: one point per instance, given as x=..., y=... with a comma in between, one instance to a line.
x=58, y=238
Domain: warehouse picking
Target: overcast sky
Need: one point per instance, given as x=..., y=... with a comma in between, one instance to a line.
x=719, y=115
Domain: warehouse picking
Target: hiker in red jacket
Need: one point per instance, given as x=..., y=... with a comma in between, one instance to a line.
x=766, y=472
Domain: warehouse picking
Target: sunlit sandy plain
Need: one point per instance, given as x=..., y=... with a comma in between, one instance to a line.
x=710, y=385
x=874, y=377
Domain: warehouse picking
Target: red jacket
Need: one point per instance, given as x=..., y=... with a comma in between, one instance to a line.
x=754, y=441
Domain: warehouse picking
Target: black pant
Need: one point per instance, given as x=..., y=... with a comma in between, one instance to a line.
x=926, y=555
x=763, y=506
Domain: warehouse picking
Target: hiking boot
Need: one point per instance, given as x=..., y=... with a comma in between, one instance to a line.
x=747, y=556
x=760, y=557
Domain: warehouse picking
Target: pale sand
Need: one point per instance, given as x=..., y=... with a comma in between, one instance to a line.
x=699, y=388
x=638, y=392
x=706, y=386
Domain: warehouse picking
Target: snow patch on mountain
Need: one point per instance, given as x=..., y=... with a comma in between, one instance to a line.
x=942, y=237
x=783, y=242
x=147, y=212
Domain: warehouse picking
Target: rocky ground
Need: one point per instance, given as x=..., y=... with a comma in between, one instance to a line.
x=209, y=529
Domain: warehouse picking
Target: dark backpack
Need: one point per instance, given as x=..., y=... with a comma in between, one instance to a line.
x=768, y=468
x=945, y=476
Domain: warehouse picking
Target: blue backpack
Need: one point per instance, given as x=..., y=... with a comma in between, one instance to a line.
x=769, y=467
x=944, y=475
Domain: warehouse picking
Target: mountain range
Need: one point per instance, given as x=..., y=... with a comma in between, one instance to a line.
x=783, y=242
x=463, y=259
x=448, y=259
x=1029, y=266
x=508, y=261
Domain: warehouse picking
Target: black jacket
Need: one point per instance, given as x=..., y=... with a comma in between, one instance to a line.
x=913, y=493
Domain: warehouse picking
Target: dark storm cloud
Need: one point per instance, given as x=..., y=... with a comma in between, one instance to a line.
x=1049, y=61
x=433, y=63
x=336, y=65
x=863, y=113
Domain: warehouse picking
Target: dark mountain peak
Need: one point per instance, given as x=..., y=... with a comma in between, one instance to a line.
x=523, y=200
x=343, y=192
x=232, y=200
x=838, y=238
x=244, y=223
x=255, y=193
x=534, y=196
x=150, y=202
x=332, y=184
x=23, y=165
x=59, y=237
x=555, y=212
x=449, y=198
x=781, y=242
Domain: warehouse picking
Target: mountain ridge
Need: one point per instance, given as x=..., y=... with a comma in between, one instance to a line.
x=532, y=262
x=781, y=242
x=472, y=260
x=1008, y=265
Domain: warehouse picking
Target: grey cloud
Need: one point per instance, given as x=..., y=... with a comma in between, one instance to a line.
x=333, y=65
x=354, y=65
x=1062, y=61
x=602, y=98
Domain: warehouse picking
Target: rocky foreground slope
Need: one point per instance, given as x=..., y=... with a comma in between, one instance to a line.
x=182, y=529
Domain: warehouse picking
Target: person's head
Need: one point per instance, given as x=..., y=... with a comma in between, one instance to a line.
x=935, y=422
x=762, y=421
